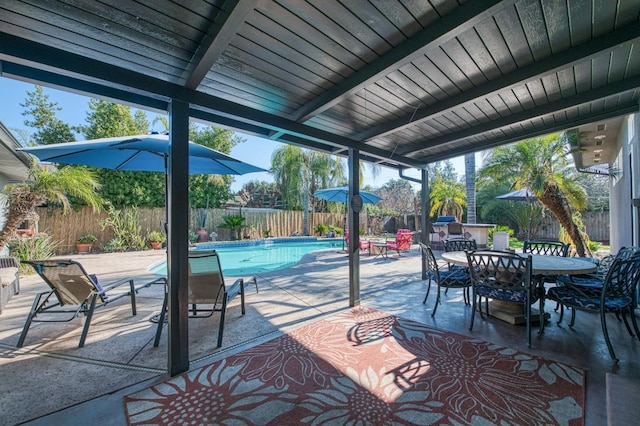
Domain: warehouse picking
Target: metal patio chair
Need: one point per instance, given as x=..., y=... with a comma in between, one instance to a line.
x=207, y=291
x=617, y=295
x=73, y=292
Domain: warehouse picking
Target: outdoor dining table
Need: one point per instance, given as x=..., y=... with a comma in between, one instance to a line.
x=513, y=312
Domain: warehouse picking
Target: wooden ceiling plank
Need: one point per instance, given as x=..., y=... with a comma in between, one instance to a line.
x=551, y=87
x=541, y=110
x=509, y=25
x=556, y=17
x=466, y=17
x=216, y=40
x=334, y=40
x=533, y=25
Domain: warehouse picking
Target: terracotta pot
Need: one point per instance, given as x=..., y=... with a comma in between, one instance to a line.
x=156, y=245
x=83, y=248
x=203, y=235
x=23, y=232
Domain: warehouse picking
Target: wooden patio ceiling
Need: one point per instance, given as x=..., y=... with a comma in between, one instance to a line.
x=405, y=82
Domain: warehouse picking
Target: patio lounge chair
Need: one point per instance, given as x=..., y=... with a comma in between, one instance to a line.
x=403, y=240
x=206, y=287
x=73, y=292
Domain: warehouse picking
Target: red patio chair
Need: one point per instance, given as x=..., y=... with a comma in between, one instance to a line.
x=363, y=244
x=403, y=240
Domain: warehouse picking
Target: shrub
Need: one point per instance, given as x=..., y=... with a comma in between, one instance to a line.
x=321, y=229
x=500, y=228
x=87, y=239
x=156, y=237
x=39, y=247
x=126, y=229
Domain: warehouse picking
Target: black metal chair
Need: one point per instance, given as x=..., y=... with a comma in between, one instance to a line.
x=546, y=247
x=617, y=295
x=503, y=276
x=453, y=278
x=460, y=244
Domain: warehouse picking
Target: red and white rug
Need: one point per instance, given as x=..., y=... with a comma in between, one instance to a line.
x=367, y=367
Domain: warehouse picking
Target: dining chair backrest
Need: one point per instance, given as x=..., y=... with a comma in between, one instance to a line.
x=459, y=244
x=622, y=279
x=431, y=263
x=206, y=282
x=70, y=282
x=546, y=247
x=500, y=270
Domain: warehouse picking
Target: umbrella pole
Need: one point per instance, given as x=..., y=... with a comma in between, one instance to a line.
x=529, y=227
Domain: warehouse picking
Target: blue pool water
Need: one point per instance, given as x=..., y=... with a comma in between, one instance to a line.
x=251, y=257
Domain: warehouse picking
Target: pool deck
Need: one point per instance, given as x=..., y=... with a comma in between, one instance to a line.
x=51, y=381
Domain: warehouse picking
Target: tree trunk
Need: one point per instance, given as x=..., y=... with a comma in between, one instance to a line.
x=305, y=224
x=470, y=184
x=20, y=206
x=554, y=201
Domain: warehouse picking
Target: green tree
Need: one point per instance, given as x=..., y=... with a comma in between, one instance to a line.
x=45, y=184
x=43, y=117
x=447, y=197
x=298, y=173
x=543, y=165
x=397, y=198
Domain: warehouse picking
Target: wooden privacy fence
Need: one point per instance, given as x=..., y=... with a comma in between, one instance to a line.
x=65, y=229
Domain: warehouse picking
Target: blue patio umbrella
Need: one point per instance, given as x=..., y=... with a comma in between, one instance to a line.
x=142, y=153
x=341, y=195
x=146, y=153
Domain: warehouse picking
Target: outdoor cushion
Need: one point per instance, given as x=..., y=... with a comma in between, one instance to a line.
x=586, y=298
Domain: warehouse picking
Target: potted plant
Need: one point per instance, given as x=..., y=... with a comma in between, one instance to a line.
x=85, y=243
x=155, y=239
x=233, y=223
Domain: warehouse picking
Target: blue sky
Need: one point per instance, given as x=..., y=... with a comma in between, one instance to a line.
x=255, y=150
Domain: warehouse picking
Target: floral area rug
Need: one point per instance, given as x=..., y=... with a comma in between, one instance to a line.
x=363, y=366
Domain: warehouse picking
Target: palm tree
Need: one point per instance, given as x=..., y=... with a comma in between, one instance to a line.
x=470, y=185
x=447, y=197
x=42, y=185
x=543, y=165
x=299, y=173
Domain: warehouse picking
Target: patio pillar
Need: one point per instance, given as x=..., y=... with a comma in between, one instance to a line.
x=354, y=205
x=425, y=222
x=177, y=240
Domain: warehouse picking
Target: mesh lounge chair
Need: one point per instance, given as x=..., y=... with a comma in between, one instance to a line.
x=73, y=292
x=207, y=290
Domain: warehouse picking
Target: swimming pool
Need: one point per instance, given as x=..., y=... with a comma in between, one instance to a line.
x=251, y=257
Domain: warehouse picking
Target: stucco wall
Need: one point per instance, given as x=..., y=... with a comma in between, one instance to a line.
x=624, y=221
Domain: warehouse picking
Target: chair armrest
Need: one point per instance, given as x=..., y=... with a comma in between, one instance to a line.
x=236, y=288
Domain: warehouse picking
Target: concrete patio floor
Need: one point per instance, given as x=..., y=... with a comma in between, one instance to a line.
x=52, y=381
